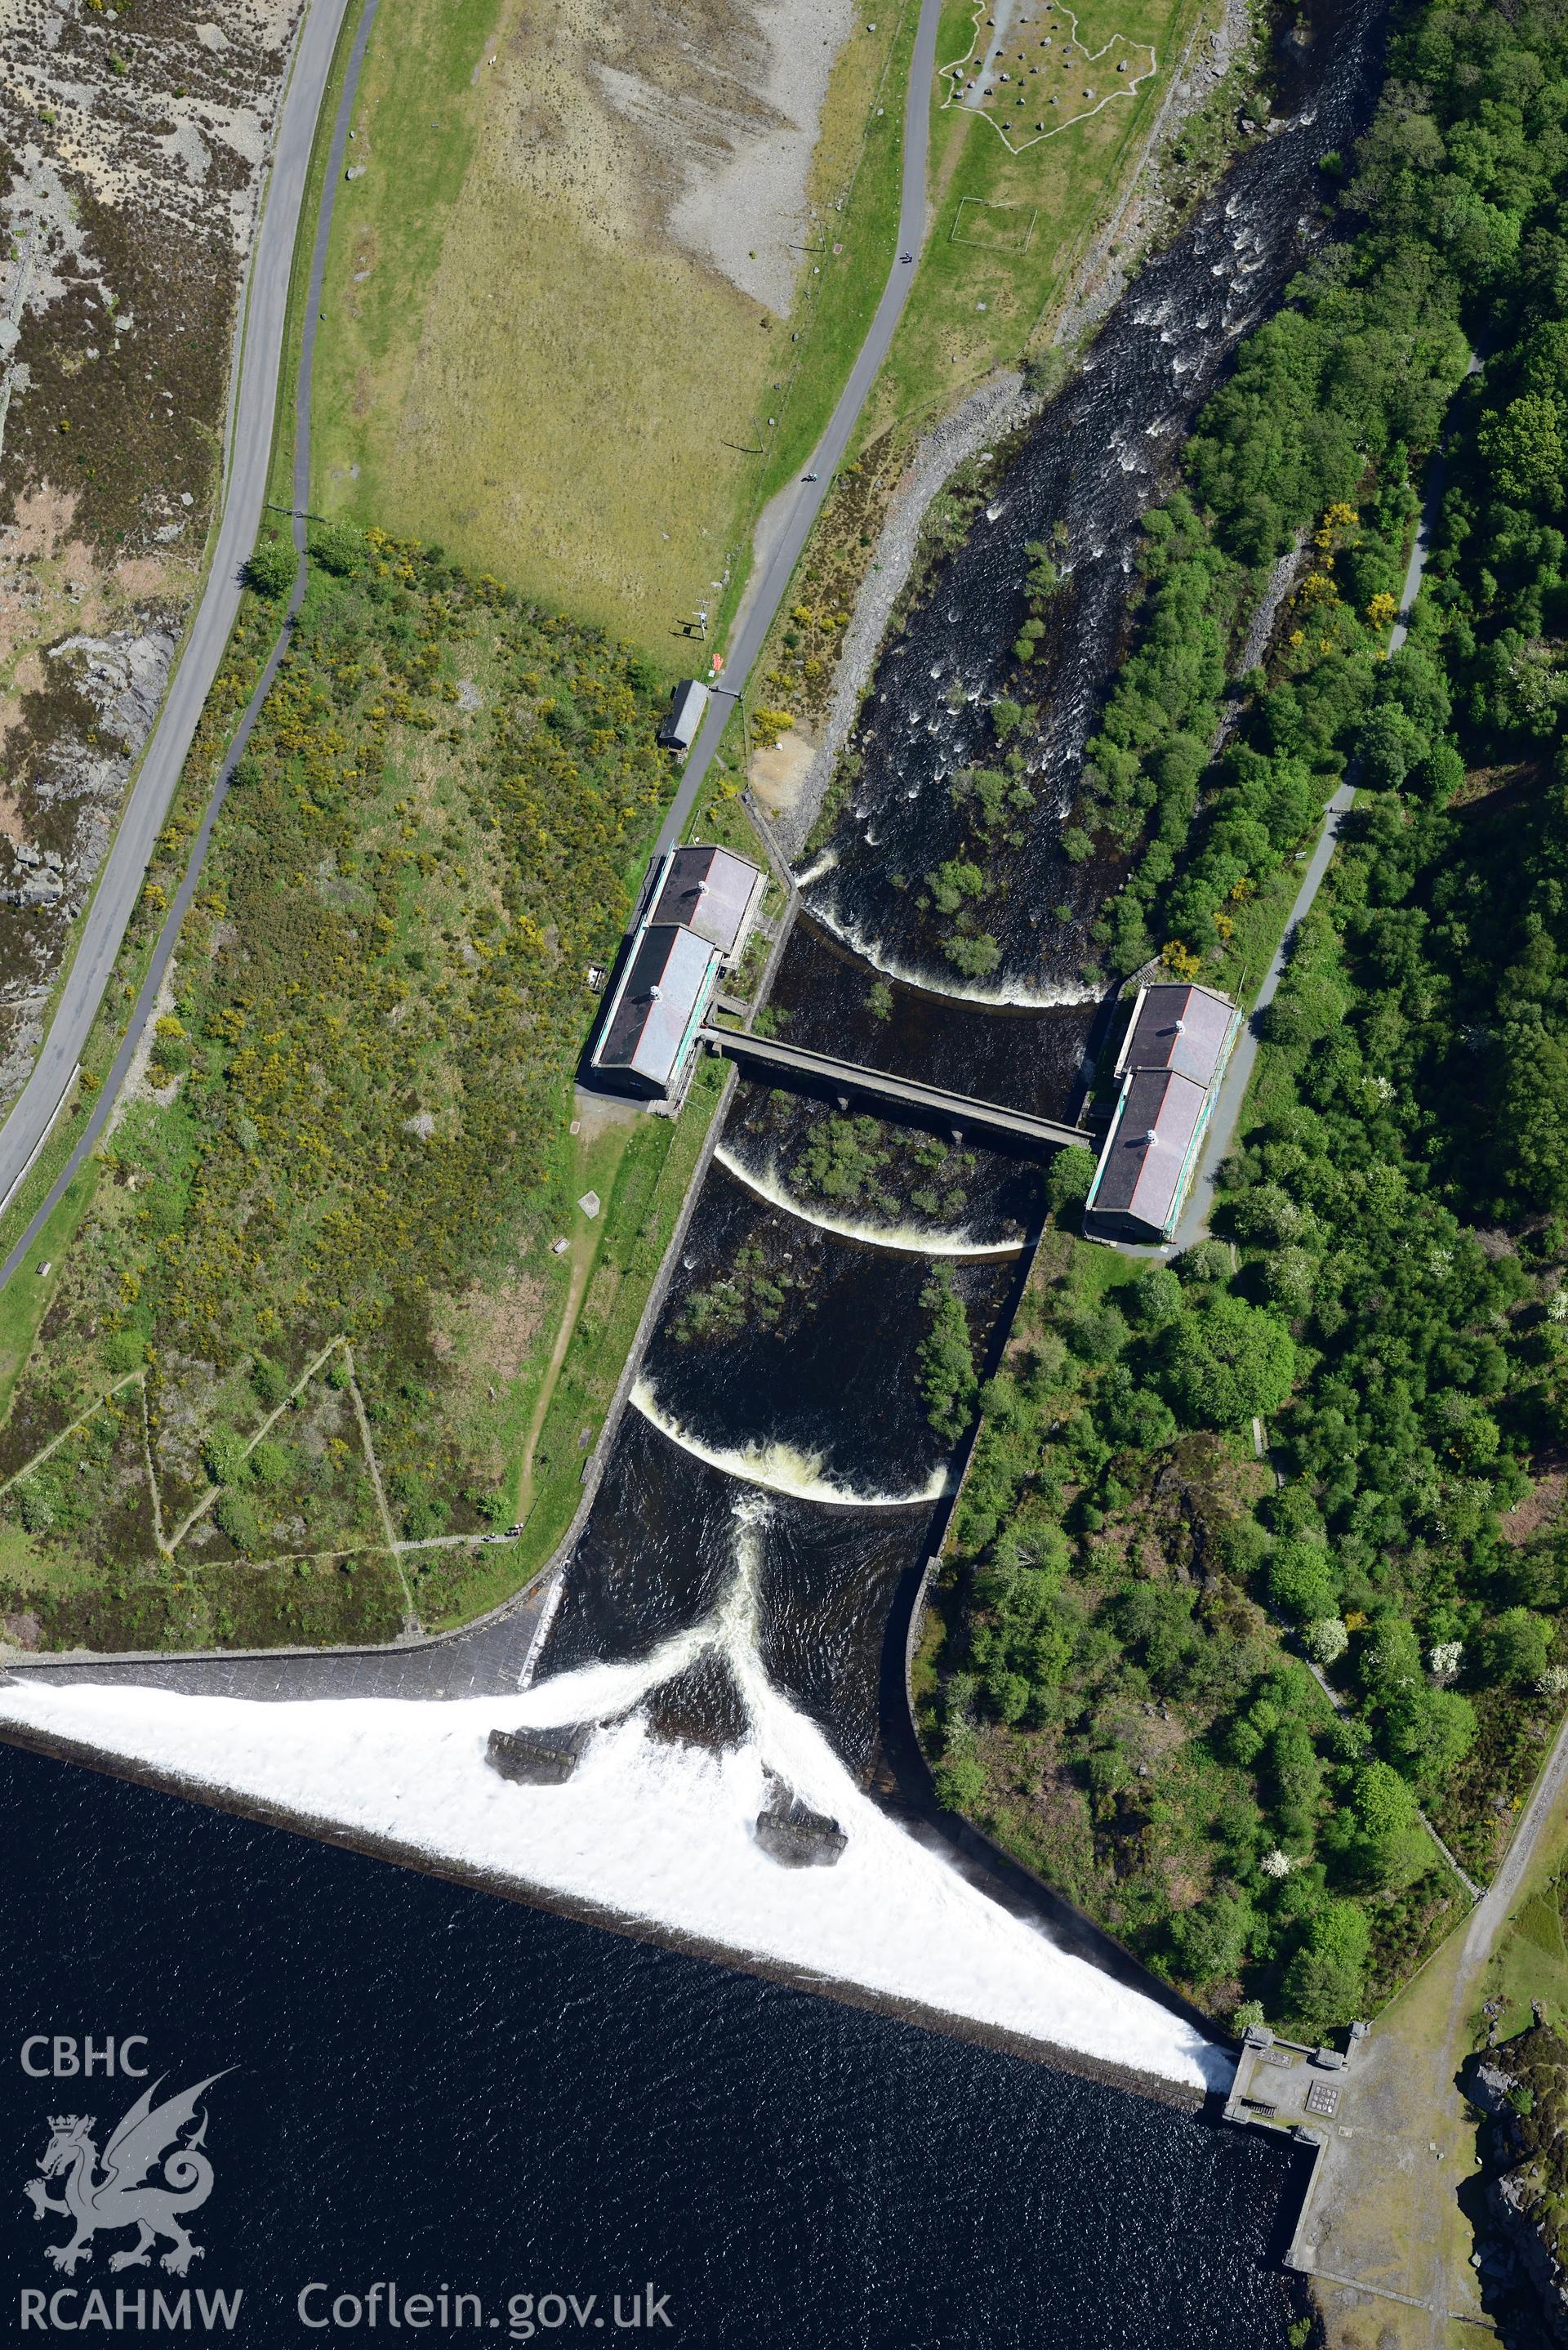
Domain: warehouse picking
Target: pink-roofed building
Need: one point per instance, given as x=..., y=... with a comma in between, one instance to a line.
x=1170, y=1063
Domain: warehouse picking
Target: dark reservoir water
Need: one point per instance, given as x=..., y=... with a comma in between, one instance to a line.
x=440, y=2089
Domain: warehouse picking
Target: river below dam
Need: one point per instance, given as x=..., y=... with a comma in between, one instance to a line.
x=435, y=2083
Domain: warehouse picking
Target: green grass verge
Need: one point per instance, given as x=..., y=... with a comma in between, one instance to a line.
x=657, y=1162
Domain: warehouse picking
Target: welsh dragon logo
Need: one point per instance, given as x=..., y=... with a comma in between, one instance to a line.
x=122, y=2195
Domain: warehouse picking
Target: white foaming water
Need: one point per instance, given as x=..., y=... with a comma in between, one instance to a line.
x=644, y=1829
x=1011, y=996
x=825, y=864
x=781, y=1467
x=908, y=1238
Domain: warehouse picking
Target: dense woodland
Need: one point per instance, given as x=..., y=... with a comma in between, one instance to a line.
x=1217, y=1696
x=352, y=1124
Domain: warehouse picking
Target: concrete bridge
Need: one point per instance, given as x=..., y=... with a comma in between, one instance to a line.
x=957, y=1114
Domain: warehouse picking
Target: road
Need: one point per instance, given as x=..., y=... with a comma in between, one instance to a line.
x=1193, y=1223
x=243, y=495
x=1387, y=2218
x=764, y=599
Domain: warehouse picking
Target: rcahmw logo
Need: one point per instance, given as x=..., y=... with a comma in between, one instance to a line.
x=153, y=2173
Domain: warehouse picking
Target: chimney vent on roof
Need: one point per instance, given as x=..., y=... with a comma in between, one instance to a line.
x=1152, y=1138
x=655, y=992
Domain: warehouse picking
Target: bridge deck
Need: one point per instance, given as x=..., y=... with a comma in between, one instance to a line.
x=927, y=1102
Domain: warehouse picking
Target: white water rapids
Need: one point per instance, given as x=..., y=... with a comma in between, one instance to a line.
x=780, y=1467
x=910, y=1239
x=644, y=1829
x=1012, y=997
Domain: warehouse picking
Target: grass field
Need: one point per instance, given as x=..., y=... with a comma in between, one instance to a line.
x=519, y=361
x=469, y=786
x=1008, y=228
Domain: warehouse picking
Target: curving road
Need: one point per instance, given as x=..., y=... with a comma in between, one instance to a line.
x=243, y=495
x=799, y=512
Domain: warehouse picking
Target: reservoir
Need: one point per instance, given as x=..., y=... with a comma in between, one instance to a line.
x=435, y=2086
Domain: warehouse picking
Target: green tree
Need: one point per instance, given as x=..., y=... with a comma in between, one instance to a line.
x=1072, y=1173
x=271, y=569
x=1324, y=1981
x=946, y=1359
x=1211, y=1940
x=1226, y=1360
x=1517, y=1647
x=976, y=957
x=1431, y=1732
x=1302, y=1581
x=1527, y=448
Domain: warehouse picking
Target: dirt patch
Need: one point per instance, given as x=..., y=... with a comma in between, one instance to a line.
x=597, y=1114
x=505, y=1323
x=778, y=775
x=1541, y=1507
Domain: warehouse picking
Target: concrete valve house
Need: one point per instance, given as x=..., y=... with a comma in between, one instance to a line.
x=699, y=910
x=1174, y=1054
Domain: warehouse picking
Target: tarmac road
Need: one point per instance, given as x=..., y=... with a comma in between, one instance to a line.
x=826, y=457
x=244, y=493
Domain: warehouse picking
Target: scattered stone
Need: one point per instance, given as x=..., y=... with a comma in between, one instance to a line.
x=559, y=1248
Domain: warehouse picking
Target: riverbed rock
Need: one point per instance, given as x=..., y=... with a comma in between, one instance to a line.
x=538, y=1758
x=794, y=1836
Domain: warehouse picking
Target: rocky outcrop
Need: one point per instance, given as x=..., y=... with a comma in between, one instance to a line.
x=538, y=1758
x=1522, y=2089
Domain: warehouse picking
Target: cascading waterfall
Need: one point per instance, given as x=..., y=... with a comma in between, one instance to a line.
x=647, y=1829
x=909, y=1239
x=659, y=1828
x=782, y=1467
x=1011, y=995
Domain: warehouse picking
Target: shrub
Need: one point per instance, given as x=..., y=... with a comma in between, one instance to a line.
x=271, y=569
x=960, y=1783
x=946, y=1359
x=338, y=548
x=223, y=1454
x=236, y=1514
